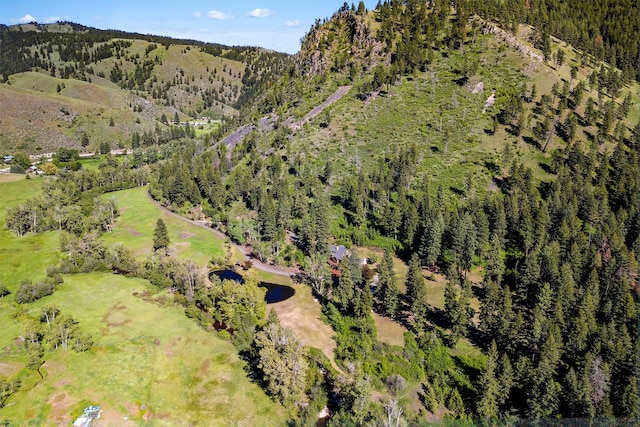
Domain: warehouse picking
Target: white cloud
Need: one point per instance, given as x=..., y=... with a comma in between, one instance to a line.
x=197, y=15
x=26, y=18
x=214, y=14
x=294, y=23
x=53, y=19
x=259, y=13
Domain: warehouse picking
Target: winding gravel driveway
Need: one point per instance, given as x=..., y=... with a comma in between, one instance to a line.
x=245, y=250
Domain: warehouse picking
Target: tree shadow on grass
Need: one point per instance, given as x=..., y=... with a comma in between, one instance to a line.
x=437, y=317
x=529, y=140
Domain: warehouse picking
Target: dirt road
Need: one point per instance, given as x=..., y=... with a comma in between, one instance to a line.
x=339, y=93
x=245, y=250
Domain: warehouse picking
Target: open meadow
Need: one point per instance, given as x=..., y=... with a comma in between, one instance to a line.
x=134, y=229
x=149, y=363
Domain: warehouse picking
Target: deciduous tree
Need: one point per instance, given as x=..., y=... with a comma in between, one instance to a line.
x=282, y=360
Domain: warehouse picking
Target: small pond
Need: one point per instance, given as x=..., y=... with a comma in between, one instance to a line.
x=275, y=293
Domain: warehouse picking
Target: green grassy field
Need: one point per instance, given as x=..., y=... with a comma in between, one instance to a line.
x=91, y=164
x=29, y=256
x=149, y=363
x=138, y=216
x=20, y=258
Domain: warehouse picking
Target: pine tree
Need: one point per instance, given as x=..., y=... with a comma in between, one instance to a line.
x=635, y=137
x=364, y=302
x=490, y=308
x=494, y=268
x=461, y=326
x=431, y=242
x=544, y=394
x=267, y=216
x=160, y=236
x=320, y=218
x=465, y=241
x=344, y=291
x=355, y=268
x=387, y=286
x=455, y=403
x=451, y=308
x=416, y=294
x=506, y=330
x=528, y=282
x=489, y=386
x=577, y=395
x=505, y=378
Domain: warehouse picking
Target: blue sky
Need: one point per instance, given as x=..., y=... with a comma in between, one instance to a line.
x=274, y=24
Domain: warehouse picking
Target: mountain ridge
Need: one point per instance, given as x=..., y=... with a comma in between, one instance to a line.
x=156, y=74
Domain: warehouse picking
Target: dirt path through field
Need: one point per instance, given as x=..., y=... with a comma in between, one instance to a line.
x=245, y=250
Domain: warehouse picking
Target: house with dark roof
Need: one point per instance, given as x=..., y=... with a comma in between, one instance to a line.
x=338, y=252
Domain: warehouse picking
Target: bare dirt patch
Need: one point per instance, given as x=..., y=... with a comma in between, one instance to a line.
x=62, y=383
x=170, y=350
x=134, y=232
x=107, y=318
x=9, y=369
x=204, y=368
x=111, y=417
x=339, y=93
x=185, y=235
x=60, y=404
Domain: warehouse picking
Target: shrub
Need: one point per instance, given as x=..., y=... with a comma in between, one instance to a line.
x=4, y=291
x=16, y=169
x=30, y=292
x=52, y=270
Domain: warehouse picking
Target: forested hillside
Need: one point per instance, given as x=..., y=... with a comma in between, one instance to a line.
x=609, y=30
x=481, y=156
x=135, y=82
x=467, y=150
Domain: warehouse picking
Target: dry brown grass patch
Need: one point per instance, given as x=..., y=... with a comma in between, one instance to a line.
x=389, y=331
x=303, y=315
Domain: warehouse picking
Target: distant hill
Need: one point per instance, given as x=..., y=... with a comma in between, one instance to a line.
x=99, y=75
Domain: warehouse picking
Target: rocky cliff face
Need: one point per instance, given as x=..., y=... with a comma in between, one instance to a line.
x=346, y=43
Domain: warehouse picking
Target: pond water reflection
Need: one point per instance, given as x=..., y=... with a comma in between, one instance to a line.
x=275, y=293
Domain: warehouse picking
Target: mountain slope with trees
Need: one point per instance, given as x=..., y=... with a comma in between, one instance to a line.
x=460, y=147
x=477, y=148
x=134, y=82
